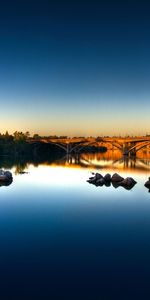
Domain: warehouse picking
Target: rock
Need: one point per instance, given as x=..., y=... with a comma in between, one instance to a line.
x=115, y=184
x=108, y=183
x=116, y=178
x=1, y=172
x=5, y=176
x=147, y=183
x=8, y=174
x=98, y=176
x=95, y=178
x=92, y=180
x=100, y=182
x=128, y=183
x=107, y=177
x=6, y=183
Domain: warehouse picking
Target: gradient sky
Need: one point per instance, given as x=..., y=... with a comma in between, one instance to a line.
x=75, y=67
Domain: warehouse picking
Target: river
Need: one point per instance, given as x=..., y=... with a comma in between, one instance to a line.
x=63, y=238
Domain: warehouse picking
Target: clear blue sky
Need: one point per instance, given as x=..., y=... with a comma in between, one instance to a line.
x=75, y=67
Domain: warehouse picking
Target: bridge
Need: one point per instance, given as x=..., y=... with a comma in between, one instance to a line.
x=127, y=146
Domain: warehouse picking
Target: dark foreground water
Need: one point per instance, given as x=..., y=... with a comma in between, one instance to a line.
x=62, y=238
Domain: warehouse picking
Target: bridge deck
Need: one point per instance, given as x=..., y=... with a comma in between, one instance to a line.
x=90, y=140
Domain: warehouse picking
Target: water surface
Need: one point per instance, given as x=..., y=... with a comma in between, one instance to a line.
x=62, y=237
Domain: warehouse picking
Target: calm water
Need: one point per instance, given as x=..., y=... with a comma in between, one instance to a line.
x=61, y=237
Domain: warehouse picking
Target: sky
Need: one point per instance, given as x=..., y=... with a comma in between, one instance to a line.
x=75, y=68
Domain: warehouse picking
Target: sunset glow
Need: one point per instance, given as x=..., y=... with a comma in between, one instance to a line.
x=72, y=73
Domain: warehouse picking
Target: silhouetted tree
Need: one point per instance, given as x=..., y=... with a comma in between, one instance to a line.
x=36, y=136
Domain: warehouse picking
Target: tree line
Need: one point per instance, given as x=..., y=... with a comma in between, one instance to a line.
x=19, y=136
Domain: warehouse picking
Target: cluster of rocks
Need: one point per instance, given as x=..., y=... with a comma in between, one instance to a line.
x=5, y=177
x=116, y=180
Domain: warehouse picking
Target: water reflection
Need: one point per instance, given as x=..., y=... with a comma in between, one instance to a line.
x=55, y=226
x=112, y=160
x=109, y=160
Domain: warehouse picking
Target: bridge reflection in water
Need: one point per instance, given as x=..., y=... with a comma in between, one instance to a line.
x=110, y=159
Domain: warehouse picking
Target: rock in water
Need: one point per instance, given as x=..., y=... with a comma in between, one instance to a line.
x=92, y=180
x=108, y=183
x=95, y=178
x=100, y=182
x=98, y=176
x=115, y=184
x=128, y=183
x=2, y=172
x=5, y=176
x=116, y=178
x=107, y=177
x=6, y=183
x=147, y=183
x=8, y=175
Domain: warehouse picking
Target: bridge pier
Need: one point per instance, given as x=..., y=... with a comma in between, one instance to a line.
x=73, y=159
x=133, y=153
x=68, y=149
x=127, y=149
x=129, y=153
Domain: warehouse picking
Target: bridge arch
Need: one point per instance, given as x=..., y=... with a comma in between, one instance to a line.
x=82, y=145
x=115, y=144
x=139, y=146
x=60, y=146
